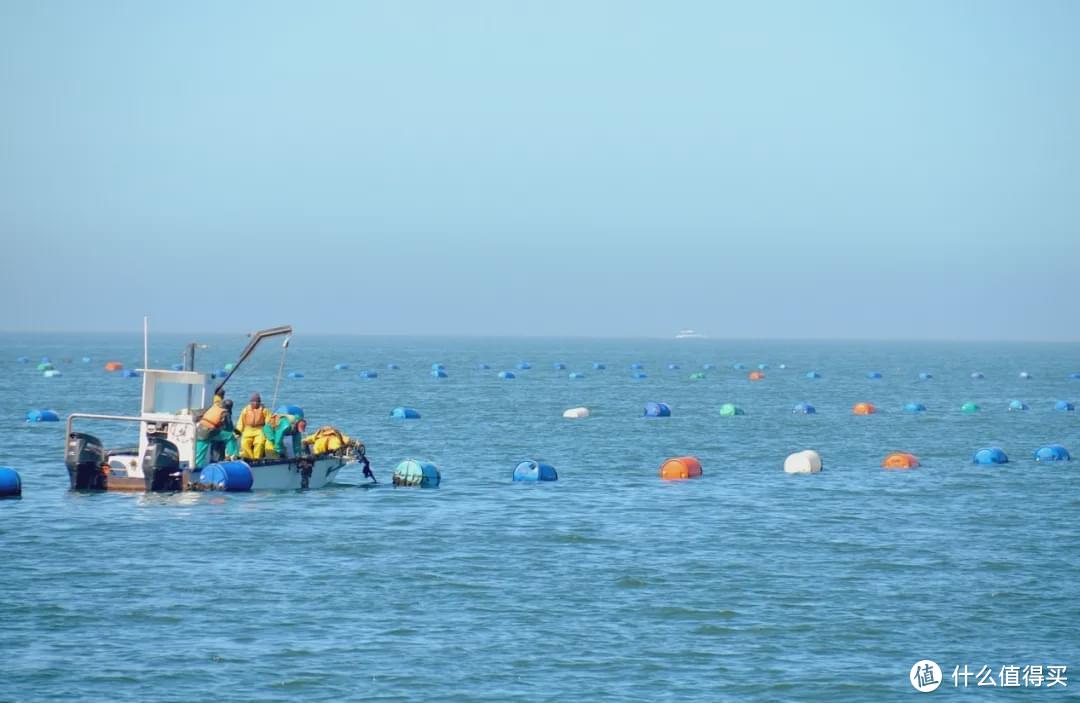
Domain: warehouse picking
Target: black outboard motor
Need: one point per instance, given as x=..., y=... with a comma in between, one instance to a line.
x=161, y=465
x=85, y=459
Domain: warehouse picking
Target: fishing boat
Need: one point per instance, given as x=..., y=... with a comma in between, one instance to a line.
x=173, y=401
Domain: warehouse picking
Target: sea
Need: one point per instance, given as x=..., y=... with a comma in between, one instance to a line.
x=608, y=584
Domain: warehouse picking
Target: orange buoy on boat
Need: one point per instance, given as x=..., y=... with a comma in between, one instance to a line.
x=900, y=460
x=113, y=366
x=863, y=409
x=680, y=468
x=756, y=375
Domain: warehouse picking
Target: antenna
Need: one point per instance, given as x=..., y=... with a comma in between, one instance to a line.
x=146, y=341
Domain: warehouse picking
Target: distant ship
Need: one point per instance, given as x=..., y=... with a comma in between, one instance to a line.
x=689, y=334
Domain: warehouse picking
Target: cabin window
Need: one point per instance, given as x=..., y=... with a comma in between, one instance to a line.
x=171, y=397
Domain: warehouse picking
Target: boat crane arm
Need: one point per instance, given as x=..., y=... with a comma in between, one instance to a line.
x=256, y=337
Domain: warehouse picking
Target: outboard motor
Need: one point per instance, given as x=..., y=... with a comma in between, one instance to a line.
x=85, y=460
x=161, y=465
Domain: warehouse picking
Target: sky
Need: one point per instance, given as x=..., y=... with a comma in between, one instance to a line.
x=860, y=169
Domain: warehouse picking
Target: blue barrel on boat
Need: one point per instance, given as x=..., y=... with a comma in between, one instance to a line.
x=803, y=409
x=341, y=367
x=294, y=410
x=295, y=374
x=1052, y=452
x=657, y=410
x=813, y=374
x=177, y=366
x=405, y=413
x=559, y=366
x=393, y=367
x=438, y=373
x=230, y=476
x=369, y=373
x=914, y=408
x=1064, y=405
x=507, y=374
x=10, y=483
x=42, y=416
x=419, y=474
x=990, y=455
x=128, y=373
x=575, y=374
x=532, y=470
x=639, y=375
x=523, y=366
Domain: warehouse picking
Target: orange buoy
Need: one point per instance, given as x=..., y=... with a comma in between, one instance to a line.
x=900, y=460
x=756, y=375
x=680, y=468
x=113, y=366
x=864, y=409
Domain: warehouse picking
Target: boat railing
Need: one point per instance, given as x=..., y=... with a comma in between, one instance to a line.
x=156, y=419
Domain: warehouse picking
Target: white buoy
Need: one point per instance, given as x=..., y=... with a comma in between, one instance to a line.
x=804, y=462
x=576, y=413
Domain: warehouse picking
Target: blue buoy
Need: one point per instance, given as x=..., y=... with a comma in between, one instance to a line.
x=341, y=367
x=657, y=410
x=523, y=366
x=295, y=374
x=639, y=375
x=86, y=360
x=783, y=366
x=483, y=367
x=636, y=365
x=559, y=366
x=42, y=416
x=673, y=367
x=420, y=474
x=874, y=374
x=813, y=374
x=762, y=367
x=738, y=366
x=46, y=360
x=575, y=374
x=708, y=367
x=1025, y=375
x=400, y=413
x=177, y=367
x=1075, y=375
x=230, y=476
x=128, y=373
x=1017, y=406
x=533, y=470
x=977, y=375
x=438, y=373
x=220, y=373
x=10, y=483
x=914, y=408
x=23, y=360
x=369, y=373
x=990, y=455
x=1052, y=452
x=507, y=374
x=1064, y=405
x=294, y=410
x=438, y=367
x=804, y=409
x=924, y=376
x=598, y=366
x=392, y=366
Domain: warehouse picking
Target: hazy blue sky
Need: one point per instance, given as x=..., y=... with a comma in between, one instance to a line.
x=752, y=169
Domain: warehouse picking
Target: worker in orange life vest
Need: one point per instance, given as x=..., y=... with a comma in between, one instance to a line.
x=250, y=426
x=215, y=425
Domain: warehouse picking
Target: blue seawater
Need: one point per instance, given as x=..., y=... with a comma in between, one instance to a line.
x=608, y=585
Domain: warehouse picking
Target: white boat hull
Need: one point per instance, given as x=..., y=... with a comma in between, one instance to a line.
x=287, y=475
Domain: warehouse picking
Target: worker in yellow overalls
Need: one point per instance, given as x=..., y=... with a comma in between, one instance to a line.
x=250, y=426
x=327, y=439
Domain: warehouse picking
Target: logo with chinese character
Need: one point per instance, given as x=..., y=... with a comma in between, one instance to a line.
x=925, y=676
